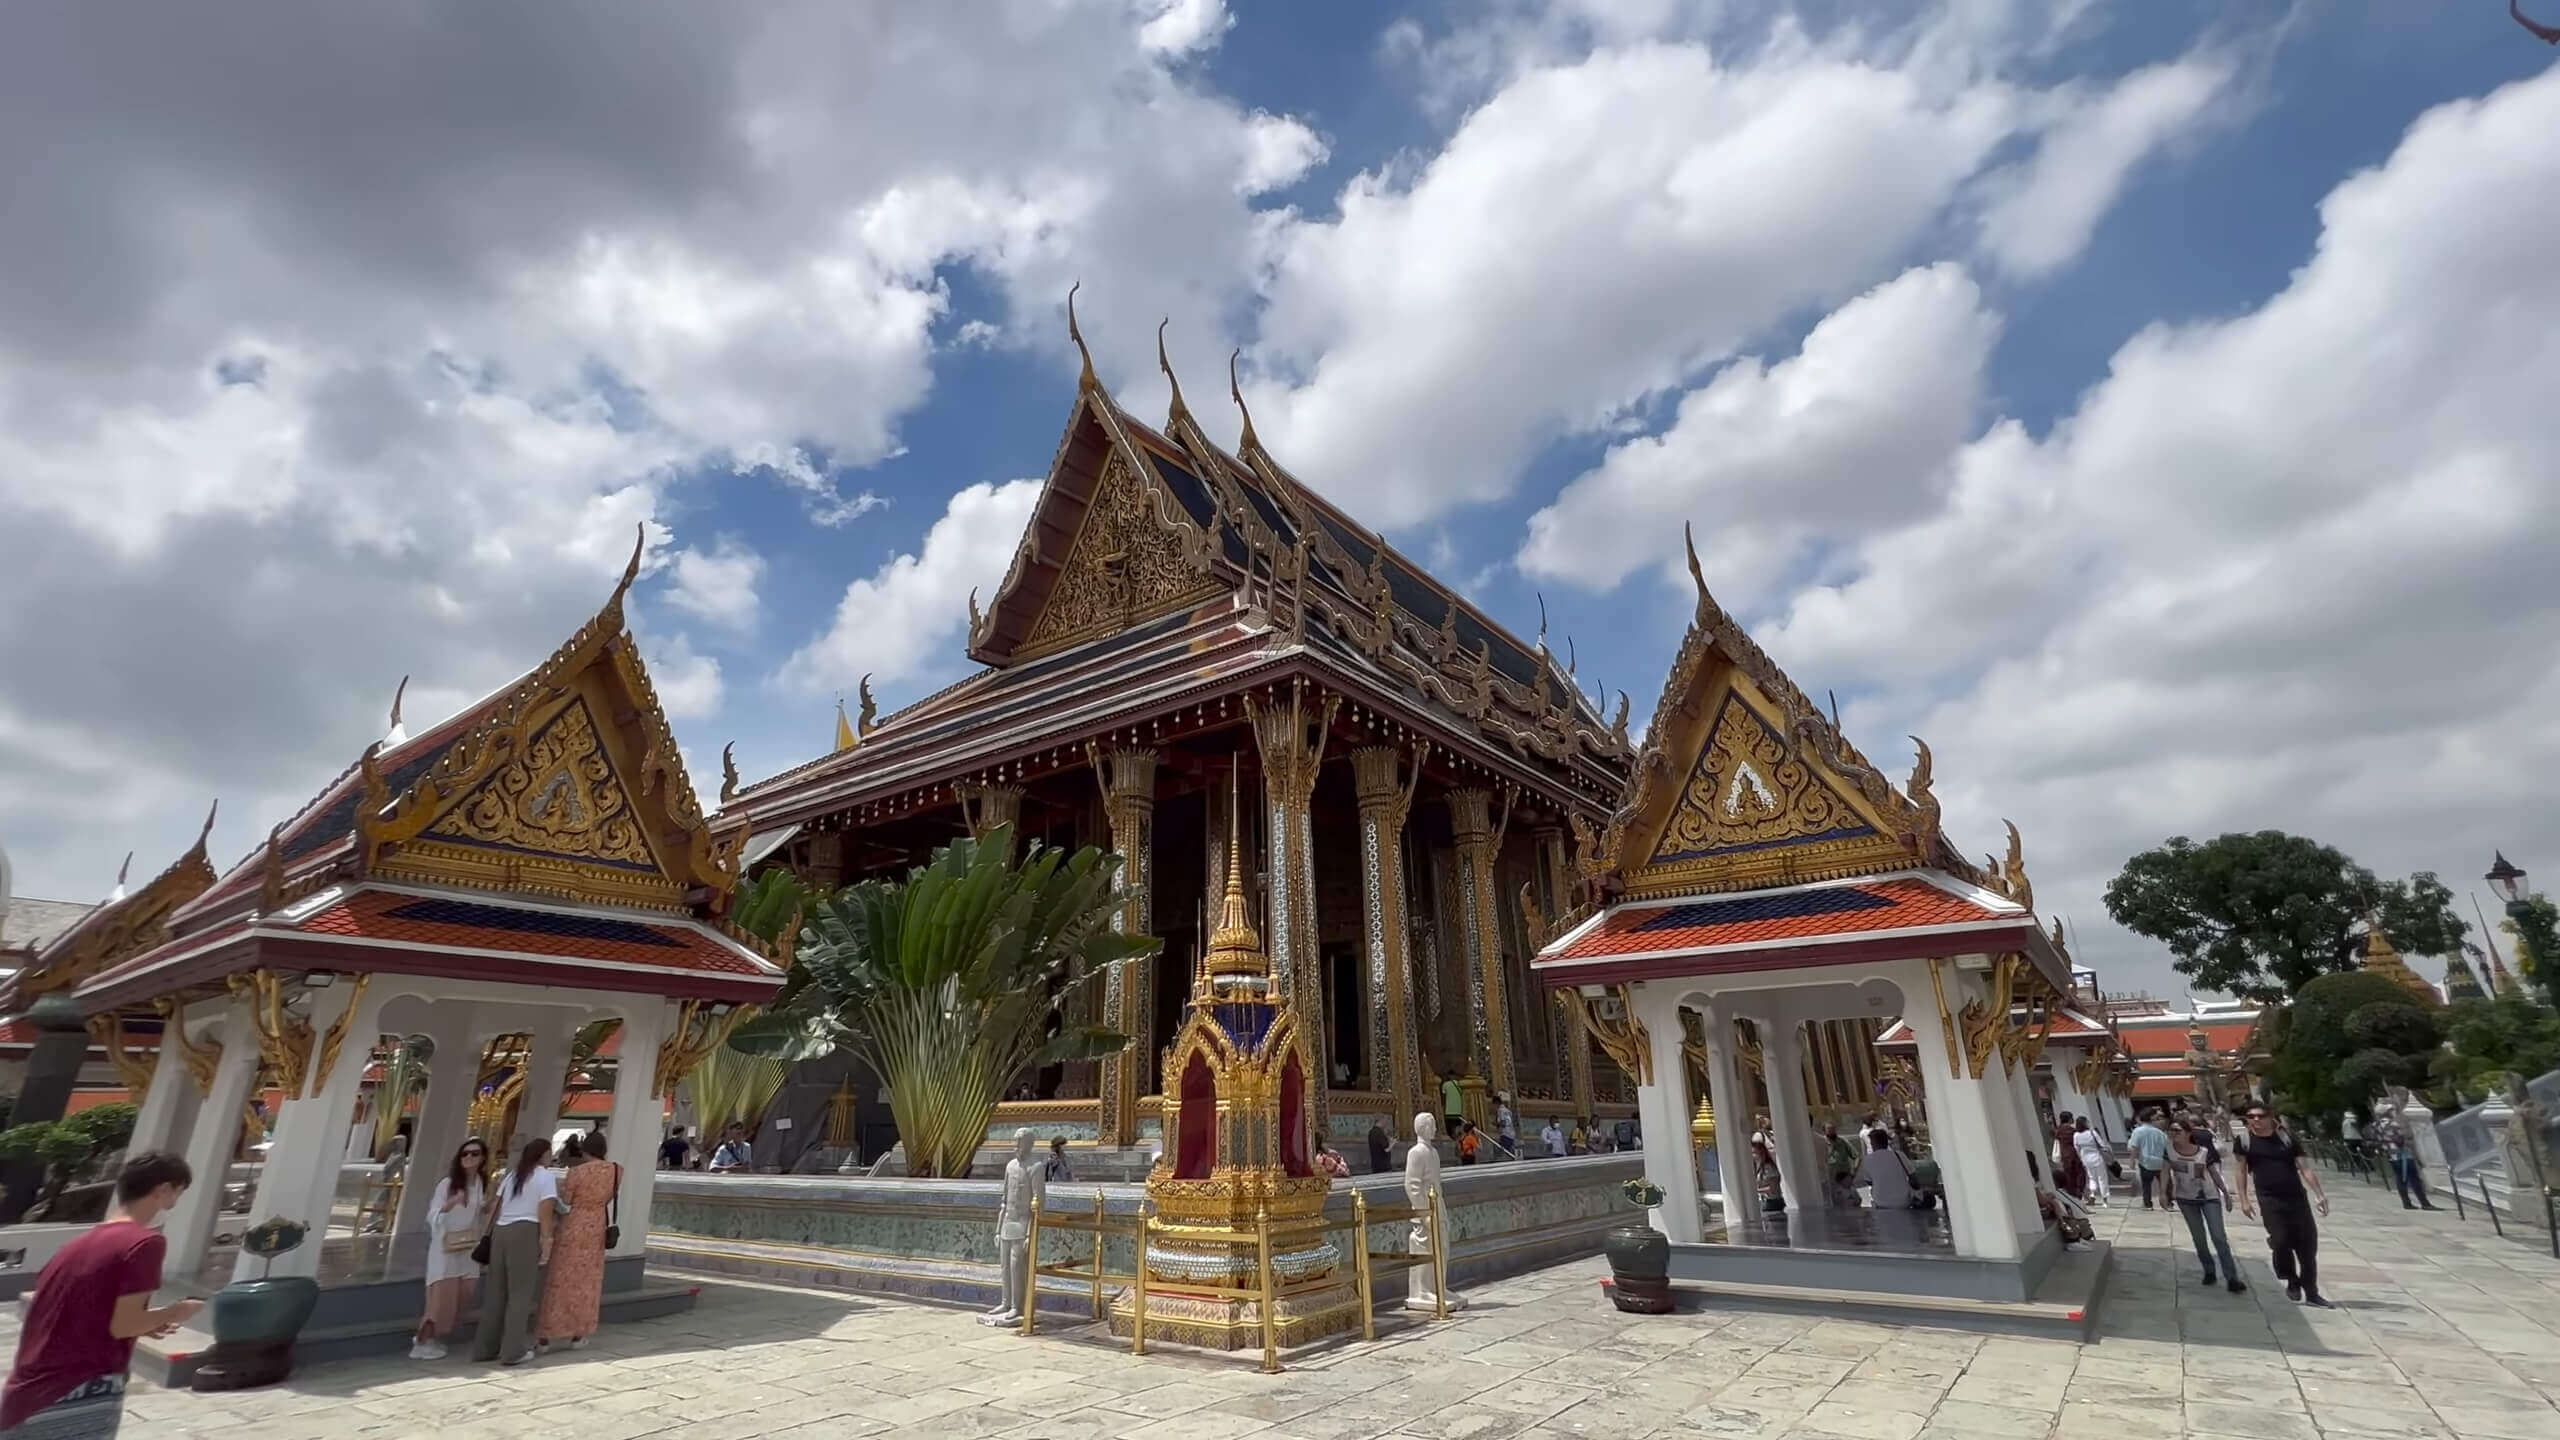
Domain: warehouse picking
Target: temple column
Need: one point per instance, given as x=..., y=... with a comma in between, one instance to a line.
x=453, y=1076
x=1128, y=990
x=1292, y=738
x=1989, y=1203
x=1734, y=1181
x=546, y=1074
x=1663, y=1111
x=301, y=1178
x=1385, y=802
x=1573, y=1044
x=168, y=1105
x=233, y=1038
x=1472, y=822
x=2022, y=1087
x=1790, y=1130
x=638, y=1113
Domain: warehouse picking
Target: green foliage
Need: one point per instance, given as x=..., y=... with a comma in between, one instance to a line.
x=945, y=984
x=2263, y=914
x=105, y=1127
x=2535, y=924
x=2344, y=1038
x=2492, y=1036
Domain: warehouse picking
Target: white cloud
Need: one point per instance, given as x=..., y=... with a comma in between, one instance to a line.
x=688, y=684
x=2037, y=217
x=1844, y=437
x=1180, y=27
x=2287, y=569
x=718, y=584
x=904, y=620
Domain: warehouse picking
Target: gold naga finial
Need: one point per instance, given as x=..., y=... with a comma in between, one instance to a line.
x=1918, y=786
x=1235, y=950
x=1618, y=727
x=1247, y=442
x=870, y=707
x=1919, y=790
x=271, y=873
x=1542, y=620
x=631, y=571
x=1177, y=411
x=728, y=772
x=1697, y=572
x=977, y=621
x=2013, y=870
x=1084, y=378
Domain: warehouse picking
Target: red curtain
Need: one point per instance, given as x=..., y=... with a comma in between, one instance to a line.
x=1196, y=1139
x=1293, y=1120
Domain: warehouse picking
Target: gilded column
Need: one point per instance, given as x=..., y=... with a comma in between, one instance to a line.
x=1573, y=1051
x=1385, y=802
x=1292, y=735
x=1489, y=1034
x=1128, y=990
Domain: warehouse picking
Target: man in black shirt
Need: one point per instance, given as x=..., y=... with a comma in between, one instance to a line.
x=2275, y=1172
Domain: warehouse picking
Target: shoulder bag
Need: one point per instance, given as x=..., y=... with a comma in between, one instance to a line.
x=489, y=1227
x=613, y=1211
x=461, y=1237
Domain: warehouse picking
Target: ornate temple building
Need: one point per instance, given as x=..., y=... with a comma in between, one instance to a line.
x=1176, y=613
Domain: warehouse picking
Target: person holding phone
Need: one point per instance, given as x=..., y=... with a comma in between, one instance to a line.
x=90, y=1304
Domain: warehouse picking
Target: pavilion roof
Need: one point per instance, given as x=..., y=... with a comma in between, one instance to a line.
x=1911, y=913
x=2071, y=1026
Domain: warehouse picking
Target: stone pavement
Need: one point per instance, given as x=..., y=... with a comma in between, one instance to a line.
x=2444, y=1334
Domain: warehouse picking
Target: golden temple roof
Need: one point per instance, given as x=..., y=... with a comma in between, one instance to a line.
x=2383, y=960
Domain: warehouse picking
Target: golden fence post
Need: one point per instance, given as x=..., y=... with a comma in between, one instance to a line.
x=1030, y=1267
x=1360, y=1240
x=1270, y=1338
x=1439, y=1253
x=1138, y=1306
x=1098, y=1236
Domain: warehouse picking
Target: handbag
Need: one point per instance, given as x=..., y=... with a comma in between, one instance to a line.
x=459, y=1239
x=613, y=1211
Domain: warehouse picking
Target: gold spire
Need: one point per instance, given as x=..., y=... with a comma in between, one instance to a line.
x=844, y=728
x=1236, y=949
x=2383, y=960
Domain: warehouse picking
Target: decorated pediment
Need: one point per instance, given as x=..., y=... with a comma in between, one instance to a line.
x=1124, y=565
x=1748, y=791
x=558, y=798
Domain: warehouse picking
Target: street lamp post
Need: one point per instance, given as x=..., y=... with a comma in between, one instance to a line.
x=2536, y=948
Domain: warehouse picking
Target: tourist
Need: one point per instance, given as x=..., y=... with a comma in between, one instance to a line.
x=569, y=1153
x=2070, y=1176
x=675, y=1150
x=1330, y=1161
x=1382, y=1147
x=2274, y=1170
x=1553, y=1137
x=453, y=1229
x=520, y=1234
x=2093, y=1160
x=1764, y=1165
x=573, y=1284
x=1057, y=1169
x=1579, y=1142
x=1468, y=1142
x=733, y=1152
x=2195, y=1183
x=2407, y=1175
x=1886, y=1173
x=1452, y=1100
x=1506, y=1125
x=1844, y=1166
x=92, y=1301
x=2150, y=1146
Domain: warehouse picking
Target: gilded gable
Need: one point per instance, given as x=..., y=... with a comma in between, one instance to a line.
x=559, y=797
x=1748, y=792
x=1124, y=566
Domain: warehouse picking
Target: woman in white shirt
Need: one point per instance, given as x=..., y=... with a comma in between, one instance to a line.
x=519, y=1246
x=2093, y=1159
x=453, y=1228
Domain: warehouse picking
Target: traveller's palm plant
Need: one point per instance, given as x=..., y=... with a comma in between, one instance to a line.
x=944, y=983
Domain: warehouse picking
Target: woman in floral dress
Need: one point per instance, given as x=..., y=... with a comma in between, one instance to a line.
x=573, y=1288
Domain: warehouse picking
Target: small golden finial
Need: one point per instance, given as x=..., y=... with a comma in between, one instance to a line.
x=271, y=873
x=728, y=772
x=631, y=572
x=1697, y=572
x=1236, y=948
x=1542, y=620
x=1084, y=378
x=1177, y=411
x=1246, y=443
x=1921, y=769
x=870, y=707
x=977, y=621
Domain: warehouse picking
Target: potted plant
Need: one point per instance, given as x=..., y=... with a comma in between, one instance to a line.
x=1639, y=1257
x=255, y=1321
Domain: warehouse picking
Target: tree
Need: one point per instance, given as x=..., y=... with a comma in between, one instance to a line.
x=2535, y=924
x=2263, y=914
x=2493, y=1035
x=2346, y=1038
x=69, y=1147
x=944, y=984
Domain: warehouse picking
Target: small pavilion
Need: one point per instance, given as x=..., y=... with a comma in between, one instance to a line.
x=494, y=883
x=1763, y=877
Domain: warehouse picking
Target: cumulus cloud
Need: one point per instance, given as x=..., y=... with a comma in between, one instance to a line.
x=2289, y=568
x=904, y=620
x=718, y=584
x=2038, y=216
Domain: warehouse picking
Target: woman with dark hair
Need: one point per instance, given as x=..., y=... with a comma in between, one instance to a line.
x=453, y=1228
x=573, y=1290
x=519, y=1246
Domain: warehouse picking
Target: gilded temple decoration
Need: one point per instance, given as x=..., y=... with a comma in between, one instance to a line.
x=558, y=797
x=284, y=1039
x=1292, y=736
x=1128, y=780
x=699, y=1030
x=1478, y=831
x=120, y=928
x=1986, y=1022
x=1123, y=566
x=200, y=1059
x=1385, y=804
x=336, y=1035
x=1610, y=1020
x=132, y=1068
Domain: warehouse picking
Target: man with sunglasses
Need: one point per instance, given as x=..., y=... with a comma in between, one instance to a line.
x=2274, y=1170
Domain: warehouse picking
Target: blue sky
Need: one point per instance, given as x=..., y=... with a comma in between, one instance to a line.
x=1983, y=341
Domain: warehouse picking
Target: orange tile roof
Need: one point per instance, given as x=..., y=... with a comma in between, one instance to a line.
x=1774, y=917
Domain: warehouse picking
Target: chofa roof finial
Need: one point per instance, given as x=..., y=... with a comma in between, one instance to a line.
x=1084, y=378
x=398, y=732
x=1248, y=442
x=1177, y=411
x=631, y=572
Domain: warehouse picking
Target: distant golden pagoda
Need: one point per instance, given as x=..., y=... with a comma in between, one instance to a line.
x=1239, y=1153
x=2381, y=959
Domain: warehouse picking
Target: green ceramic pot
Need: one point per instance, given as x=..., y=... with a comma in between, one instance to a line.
x=263, y=1312
x=1639, y=1269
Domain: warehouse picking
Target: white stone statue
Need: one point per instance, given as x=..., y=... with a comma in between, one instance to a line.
x=1421, y=1183
x=1024, y=1183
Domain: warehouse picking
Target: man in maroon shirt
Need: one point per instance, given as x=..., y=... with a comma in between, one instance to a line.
x=90, y=1304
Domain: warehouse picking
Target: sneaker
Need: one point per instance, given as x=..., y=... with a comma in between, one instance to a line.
x=2234, y=1286
x=2293, y=1290
x=521, y=1358
x=426, y=1350
x=2314, y=1298
x=2209, y=1278
x=578, y=1344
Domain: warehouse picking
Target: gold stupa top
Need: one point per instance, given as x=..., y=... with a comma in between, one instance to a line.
x=2383, y=960
x=1235, y=948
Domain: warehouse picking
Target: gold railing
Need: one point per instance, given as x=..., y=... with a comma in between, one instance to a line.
x=1264, y=1291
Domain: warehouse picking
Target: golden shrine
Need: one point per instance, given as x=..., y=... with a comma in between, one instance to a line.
x=1239, y=1164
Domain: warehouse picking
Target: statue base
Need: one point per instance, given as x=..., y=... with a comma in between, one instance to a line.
x=1222, y=1322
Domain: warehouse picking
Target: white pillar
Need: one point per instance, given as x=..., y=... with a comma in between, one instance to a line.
x=2033, y=1137
x=637, y=1117
x=1660, y=1113
x=301, y=1179
x=211, y=1139
x=1733, y=1117
x=169, y=1104
x=546, y=1074
x=1781, y=1058
x=1964, y=1136
x=2420, y=1122
x=453, y=1074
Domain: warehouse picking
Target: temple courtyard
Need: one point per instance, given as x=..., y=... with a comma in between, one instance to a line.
x=2443, y=1330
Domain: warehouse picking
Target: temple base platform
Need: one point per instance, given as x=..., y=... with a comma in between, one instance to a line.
x=1894, y=1267
x=1216, y=1322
